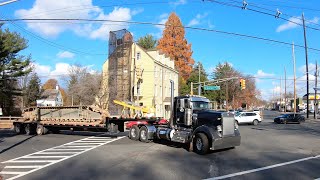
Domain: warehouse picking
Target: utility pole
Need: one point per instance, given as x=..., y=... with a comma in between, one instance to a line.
x=315, y=93
x=285, y=90
x=307, y=69
x=227, y=96
x=199, y=90
x=280, y=95
x=294, y=80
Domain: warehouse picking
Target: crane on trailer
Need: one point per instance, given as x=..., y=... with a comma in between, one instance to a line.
x=139, y=111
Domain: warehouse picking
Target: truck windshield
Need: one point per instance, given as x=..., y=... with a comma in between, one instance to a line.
x=200, y=105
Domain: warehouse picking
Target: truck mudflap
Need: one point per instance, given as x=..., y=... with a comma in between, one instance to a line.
x=226, y=142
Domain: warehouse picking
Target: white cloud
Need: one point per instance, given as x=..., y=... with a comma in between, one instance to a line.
x=41, y=69
x=262, y=74
x=65, y=54
x=198, y=19
x=163, y=19
x=179, y=2
x=294, y=23
x=311, y=67
x=46, y=9
x=61, y=69
x=276, y=89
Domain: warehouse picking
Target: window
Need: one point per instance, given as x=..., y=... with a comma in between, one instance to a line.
x=138, y=55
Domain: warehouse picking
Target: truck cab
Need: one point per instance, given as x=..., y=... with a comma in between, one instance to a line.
x=193, y=123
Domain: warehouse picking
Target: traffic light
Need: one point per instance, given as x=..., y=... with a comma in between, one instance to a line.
x=242, y=84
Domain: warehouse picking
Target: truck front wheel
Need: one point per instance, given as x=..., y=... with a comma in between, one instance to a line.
x=134, y=133
x=201, y=144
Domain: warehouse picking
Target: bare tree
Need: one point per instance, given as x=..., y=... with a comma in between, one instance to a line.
x=83, y=85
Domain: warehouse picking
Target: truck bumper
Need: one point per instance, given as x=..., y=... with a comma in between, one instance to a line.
x=226, y=142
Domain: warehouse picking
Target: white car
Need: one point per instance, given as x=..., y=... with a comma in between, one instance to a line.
x=247, y=118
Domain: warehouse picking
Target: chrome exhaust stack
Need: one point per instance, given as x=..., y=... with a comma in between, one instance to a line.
x=171, y=103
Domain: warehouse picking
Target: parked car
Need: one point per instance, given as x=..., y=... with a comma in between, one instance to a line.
x=247, y=118
x=289, y=118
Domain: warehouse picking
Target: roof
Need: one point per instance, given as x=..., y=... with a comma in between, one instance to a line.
x=50, y=94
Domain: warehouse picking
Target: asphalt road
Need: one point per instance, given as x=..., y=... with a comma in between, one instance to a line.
x=268, y=151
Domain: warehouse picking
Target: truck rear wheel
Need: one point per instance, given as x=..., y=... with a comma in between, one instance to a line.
x=134, y=133
x=201, y=144
x=17, y=128
x=144, y=134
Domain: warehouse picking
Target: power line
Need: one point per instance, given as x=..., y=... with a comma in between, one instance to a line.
x=159, y=24
x=292, y=7
x=261, y=12
x=46, y=41
x=270, y=10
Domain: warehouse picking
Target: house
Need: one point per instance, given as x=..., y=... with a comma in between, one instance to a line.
x=50, y=97
x=135, y=75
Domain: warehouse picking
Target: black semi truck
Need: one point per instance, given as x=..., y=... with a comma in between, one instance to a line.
x=192, y=123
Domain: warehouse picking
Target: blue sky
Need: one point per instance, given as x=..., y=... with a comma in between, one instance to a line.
x=56, y=46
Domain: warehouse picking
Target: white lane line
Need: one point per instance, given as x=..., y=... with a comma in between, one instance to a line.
x=85, y=143
x=67, y=149
x=31, y=161
x=43, y=157
x=16, y=160
x=10, y=172
x=21, y=167
x=42, y=153
x=74, y=146
x=263, y=168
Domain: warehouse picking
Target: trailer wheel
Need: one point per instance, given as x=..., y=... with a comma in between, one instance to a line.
x=41, y=130
x=134, y=133
x=201, y=144
x=28, y=129
x=17, y=128
x=144, y=134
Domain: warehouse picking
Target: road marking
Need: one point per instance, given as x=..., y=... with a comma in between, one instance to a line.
x=10, y=172
x=43, y=157
x=48, y=160
x=57, y=153
x=69, y=149
x=30, y=161
x=22, y=167
x=66, y=147
x=263, y=168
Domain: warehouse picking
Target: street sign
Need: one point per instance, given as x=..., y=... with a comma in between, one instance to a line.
x=212, y=88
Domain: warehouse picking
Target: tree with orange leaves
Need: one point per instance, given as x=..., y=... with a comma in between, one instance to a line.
x=174, y=45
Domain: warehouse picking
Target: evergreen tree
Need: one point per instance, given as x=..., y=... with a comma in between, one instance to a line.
x=33, y=90
x=147, y=42
x=12, y=67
